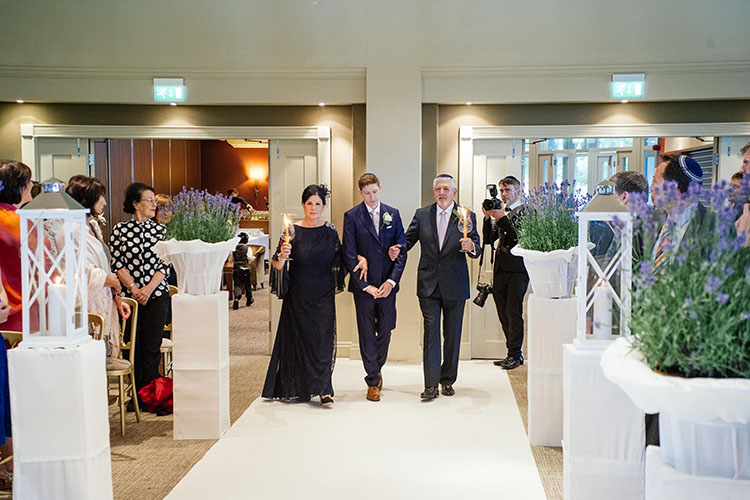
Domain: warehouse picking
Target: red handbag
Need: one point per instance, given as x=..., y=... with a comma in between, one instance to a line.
x=157, y=395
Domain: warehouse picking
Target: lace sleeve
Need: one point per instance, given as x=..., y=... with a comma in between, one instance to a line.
x=339, y=271
x=278, y=281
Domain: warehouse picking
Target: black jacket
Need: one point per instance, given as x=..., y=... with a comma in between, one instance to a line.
x=504, y=231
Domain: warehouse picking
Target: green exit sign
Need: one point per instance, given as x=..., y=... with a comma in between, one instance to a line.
x=169, y=90
x=628, y=86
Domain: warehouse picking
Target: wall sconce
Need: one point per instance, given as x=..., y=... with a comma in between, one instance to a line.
x=257, y=174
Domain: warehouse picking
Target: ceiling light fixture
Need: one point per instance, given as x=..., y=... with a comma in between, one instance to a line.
x=321, y=104
x=624, y=101
x=173, y=104
x=468, y=103
x=19, y=101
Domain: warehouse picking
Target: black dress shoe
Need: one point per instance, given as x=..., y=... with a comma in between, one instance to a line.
x=249, y=302
x=236, y=305
x=430, y=393
x=501, y=362
x=448, y=390
x=513, y=362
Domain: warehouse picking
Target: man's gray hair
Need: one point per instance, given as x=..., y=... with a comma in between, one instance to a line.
x=629, y=182
x=445, y=178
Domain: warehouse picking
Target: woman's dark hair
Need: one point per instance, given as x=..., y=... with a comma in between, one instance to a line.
x=133, y=195
x=14, y=176
x=85, y=190
x=316, y=189
x=36, y=189
x=244, y=238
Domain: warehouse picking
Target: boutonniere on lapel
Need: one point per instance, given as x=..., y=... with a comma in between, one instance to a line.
x=387, y=220
x=455, y=213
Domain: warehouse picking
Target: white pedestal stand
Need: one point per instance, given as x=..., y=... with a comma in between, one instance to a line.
x=201, y=365
x=664, y=482
x=58, y=400
x=604, y=434
x=551, y=324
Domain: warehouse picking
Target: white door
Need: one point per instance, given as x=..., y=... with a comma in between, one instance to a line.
x=293, y=165
x=62, y=158
x=493, y=160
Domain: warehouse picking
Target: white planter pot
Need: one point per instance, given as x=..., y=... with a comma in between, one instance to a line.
x=552, y=274
x=198, y=264
x=704, y=423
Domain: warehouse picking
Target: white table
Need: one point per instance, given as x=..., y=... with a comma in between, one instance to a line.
x=263, y=240
x=58, y=400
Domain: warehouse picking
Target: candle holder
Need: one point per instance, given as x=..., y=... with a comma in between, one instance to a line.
x=54, y=282
x=605, y=264
x=465, y=225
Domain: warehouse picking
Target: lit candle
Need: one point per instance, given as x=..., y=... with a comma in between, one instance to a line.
x=286, y=228
x=56, y=310
x=464, y=215
x=602, y=313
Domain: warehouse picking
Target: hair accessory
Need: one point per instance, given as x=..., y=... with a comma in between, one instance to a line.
x=691, y=168
x=1, y=185
x=446, y=176
x=366, y=173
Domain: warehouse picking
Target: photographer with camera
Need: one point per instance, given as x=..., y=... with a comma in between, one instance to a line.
x=510, y=279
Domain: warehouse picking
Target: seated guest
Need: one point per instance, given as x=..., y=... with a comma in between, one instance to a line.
x=242, y=256
x=103, y=286
x=163, y=215
x=740, y=198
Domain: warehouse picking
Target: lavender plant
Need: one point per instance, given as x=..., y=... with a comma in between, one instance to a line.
x=693, y=320
x=550, y=222
x=198, y=215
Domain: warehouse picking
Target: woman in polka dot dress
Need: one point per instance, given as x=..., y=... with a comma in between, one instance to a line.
x=143, y=276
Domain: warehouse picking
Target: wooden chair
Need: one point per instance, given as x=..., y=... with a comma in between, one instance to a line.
x=166, y=343
x=122, y=373
x=258, y=266
x=13, y=338
x=96, y=326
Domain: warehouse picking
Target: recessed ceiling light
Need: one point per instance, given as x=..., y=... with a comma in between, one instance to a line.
x=624, y=101
x=19, y=101
x=173, y=104
x=321, y=104
x=468, y=103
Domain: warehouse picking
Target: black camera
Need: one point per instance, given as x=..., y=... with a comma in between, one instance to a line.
x=485, y=290
x=493, y=202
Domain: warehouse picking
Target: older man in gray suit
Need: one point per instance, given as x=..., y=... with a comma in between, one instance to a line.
x=442, y=282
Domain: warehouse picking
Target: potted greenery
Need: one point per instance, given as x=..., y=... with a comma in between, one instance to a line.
x=548, y=238
x=689, y=355
x=200, y=235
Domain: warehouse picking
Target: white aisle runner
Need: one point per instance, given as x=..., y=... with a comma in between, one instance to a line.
x=471, y=445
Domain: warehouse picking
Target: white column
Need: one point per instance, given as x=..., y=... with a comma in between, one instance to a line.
x=394, y=123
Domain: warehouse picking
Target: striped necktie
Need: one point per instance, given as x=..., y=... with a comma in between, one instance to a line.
x=661, y=259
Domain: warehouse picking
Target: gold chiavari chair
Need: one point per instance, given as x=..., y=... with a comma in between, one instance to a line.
x=123, y=373
x=166, y=343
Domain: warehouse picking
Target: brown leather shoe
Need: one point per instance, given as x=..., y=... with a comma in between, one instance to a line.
x=373, y=393
x=380, y=382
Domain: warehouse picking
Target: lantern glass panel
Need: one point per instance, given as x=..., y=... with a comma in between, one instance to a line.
x=603, y=284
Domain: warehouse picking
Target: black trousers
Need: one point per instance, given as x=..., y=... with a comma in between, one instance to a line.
x=149, y=333
x=452, y=312
x=242, y=279
x=508, y=290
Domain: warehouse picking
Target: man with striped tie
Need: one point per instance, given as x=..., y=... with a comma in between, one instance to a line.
x=682, y=170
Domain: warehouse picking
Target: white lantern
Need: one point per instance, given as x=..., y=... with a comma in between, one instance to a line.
x=54, y=287
x=605, y=266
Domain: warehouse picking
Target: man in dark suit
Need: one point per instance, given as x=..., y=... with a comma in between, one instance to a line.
x=509, y=277
x=442, y=282
x=375, y=254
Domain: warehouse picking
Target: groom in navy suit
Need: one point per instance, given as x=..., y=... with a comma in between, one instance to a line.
x=442, y=282
x=375, y=254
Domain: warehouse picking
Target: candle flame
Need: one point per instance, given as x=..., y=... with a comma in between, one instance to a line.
x=58, y=280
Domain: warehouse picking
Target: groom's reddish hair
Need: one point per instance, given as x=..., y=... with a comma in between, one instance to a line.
x=367, y=179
